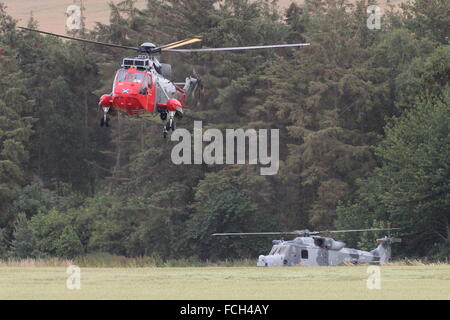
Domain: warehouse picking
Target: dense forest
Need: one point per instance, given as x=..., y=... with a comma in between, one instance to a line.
x=364, y=118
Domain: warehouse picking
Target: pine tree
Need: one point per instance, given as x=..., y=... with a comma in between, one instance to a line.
x=3, y=244
x=428, y=19
x=24, y=243
x=15, y=132
x=69, y=245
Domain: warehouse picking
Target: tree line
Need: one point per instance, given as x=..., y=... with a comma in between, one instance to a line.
x=363, y=115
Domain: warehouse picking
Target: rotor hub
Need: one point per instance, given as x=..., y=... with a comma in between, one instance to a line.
x=147, y=47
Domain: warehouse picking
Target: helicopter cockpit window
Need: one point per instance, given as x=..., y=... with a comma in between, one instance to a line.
x=121, y=76
x=138, y=77
x=319, y=242
x=279, y=250
x=129, y=77
x=284, y=249
x=276, y=250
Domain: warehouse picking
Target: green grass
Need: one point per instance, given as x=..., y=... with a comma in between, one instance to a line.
x=398, y=282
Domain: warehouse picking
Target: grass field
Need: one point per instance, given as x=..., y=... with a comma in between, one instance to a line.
x=397, y=282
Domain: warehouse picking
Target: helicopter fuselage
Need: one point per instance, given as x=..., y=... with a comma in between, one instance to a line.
x=320, y=251
x=139, y=88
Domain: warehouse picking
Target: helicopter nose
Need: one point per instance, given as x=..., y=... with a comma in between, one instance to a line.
x=131, y=89
x=271, y=261
x=127, y=102
x=262, y=262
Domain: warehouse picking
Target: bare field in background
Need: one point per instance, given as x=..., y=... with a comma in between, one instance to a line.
x=51, y=13
x=398, y=282
x=382, y=3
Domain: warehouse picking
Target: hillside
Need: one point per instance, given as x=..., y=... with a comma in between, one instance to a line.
x=51, y=13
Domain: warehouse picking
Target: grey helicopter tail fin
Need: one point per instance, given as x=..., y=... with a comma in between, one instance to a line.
x=190, y=86
x=384, y=248
x=194, y=89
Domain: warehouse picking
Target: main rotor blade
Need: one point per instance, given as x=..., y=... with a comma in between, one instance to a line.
x=182, y=43
x=236, y=48
x=299, y=232
x=255, y=234
x=80, y=39
x=356, y=230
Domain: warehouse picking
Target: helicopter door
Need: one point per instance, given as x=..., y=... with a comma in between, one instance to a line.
x=144, y=84
x=295, y=255
x=149, y=83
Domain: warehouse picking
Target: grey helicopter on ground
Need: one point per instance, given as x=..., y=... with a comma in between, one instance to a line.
x=311, y=249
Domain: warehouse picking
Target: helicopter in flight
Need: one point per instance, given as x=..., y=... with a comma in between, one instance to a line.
x=143, y=84
x=311, y=249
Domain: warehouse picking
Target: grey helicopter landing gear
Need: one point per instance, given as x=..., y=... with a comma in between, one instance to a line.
x=104, y=122
x=170, y=124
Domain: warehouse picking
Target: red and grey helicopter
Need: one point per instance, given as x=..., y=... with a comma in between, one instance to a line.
x=143, y=84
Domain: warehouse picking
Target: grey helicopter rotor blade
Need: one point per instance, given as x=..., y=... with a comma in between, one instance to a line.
x=355, y=230
x=299, y=232
x=295, y=233
x=255, y=234
x=80, y=39
x=236, y=48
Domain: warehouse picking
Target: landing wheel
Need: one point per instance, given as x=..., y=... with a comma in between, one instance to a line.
x=104, y=122
x=163, y=116
x=170, y=125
